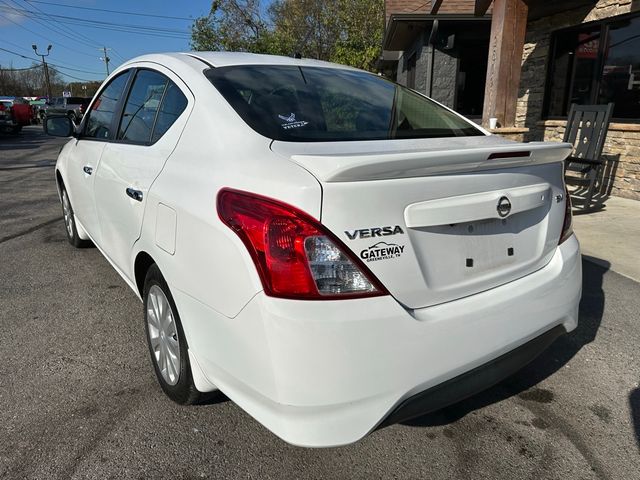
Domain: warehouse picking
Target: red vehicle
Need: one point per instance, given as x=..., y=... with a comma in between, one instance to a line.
x=14, y=114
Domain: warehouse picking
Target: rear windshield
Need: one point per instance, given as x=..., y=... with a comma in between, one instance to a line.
x=311, y=104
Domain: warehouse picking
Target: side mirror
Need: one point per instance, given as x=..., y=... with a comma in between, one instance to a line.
x=59, y=126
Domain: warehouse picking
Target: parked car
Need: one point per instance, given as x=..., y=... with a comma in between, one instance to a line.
x=14, y=114
x=37, y=109
x=333, y=251
x=73, y=107
x=7, y=120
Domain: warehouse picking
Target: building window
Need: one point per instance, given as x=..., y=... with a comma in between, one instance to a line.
x=594, y=64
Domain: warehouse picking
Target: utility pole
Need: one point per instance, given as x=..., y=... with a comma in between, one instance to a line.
x=105, y=58
x=46, y=68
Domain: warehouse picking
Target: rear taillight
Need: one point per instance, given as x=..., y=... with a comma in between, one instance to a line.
x=295, y=255
x=567, y=227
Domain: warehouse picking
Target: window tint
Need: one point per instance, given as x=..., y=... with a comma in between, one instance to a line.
x=103, y=108
x=141, y=107
x=74, y=100
x=173, y=105
x=311, y=104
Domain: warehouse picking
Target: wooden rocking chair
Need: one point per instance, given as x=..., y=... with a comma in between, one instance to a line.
x=586, y=130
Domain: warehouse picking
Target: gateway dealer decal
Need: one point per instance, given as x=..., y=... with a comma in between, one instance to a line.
x=381, y=251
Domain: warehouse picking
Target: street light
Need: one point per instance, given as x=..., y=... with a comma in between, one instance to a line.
x=46, y=68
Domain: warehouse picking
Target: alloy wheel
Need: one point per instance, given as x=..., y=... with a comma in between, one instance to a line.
x=67, y=213
x=163, y=335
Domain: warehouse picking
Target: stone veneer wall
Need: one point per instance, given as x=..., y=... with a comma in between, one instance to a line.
x=622, y=149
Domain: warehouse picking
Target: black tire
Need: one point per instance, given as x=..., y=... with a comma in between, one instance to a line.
x=183, y=391
x=72, y=117
x=70, y=222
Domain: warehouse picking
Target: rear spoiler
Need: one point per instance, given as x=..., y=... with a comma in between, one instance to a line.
x=353, y=167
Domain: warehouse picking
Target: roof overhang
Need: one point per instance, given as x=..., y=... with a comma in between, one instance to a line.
x=543, y=8
x=537, y=8
x=404, y=28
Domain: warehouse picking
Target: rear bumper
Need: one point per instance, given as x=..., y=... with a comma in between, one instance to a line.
x=473, y=381
x=327, y=373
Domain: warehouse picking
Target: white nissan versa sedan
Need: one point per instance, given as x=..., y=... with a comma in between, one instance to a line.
x=331, y=250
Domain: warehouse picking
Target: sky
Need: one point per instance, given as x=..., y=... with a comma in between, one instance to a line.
x=77, y=32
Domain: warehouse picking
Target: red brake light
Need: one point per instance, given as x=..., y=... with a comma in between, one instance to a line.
x=567, y=227
x=296, y=257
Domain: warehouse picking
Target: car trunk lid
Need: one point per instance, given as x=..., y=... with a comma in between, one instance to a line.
x=440, y=219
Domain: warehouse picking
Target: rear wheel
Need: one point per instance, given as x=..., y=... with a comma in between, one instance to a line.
x=70, y=222
x=72, y=117
x=166, y=340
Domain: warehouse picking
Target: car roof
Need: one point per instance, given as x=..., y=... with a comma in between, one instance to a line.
x=227, y=59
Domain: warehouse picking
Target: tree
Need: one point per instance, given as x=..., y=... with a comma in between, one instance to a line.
x=77, y=91
x=232, y=25
x=343, y=31
x=29, y=82
x=360, y=43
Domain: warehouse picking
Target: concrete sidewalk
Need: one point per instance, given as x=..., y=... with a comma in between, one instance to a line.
x=611, y=236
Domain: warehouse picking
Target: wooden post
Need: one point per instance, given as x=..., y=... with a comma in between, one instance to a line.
x=508, y=28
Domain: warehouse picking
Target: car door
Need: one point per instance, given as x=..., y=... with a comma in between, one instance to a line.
x=152, y=119
x=85, y=155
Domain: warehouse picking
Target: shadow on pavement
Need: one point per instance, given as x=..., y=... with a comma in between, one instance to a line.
x=21, y=141
x=47, y=164
x=634, y=404
x=549, y=362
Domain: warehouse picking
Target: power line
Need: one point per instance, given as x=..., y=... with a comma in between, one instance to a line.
x=121, y=12
x=61, y=64
x=19, y=54
x=51, y=64
x=80, y=79
x=74, y=69
x=118, y=54
x=45, y=38
x=41, y=21
x=88, y=41
x=127, y=28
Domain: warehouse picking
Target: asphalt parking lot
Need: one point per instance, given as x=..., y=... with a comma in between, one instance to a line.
x=78, y=398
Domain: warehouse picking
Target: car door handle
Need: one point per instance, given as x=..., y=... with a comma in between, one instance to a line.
x=87, y=169
x=135, y=194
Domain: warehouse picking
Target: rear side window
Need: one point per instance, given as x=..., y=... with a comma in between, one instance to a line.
x=311, y=104
x=142, y=106
x=74, y=100
x=173, y=104
x=104, y=108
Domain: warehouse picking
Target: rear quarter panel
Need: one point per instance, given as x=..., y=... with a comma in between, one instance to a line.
x=217, y=150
